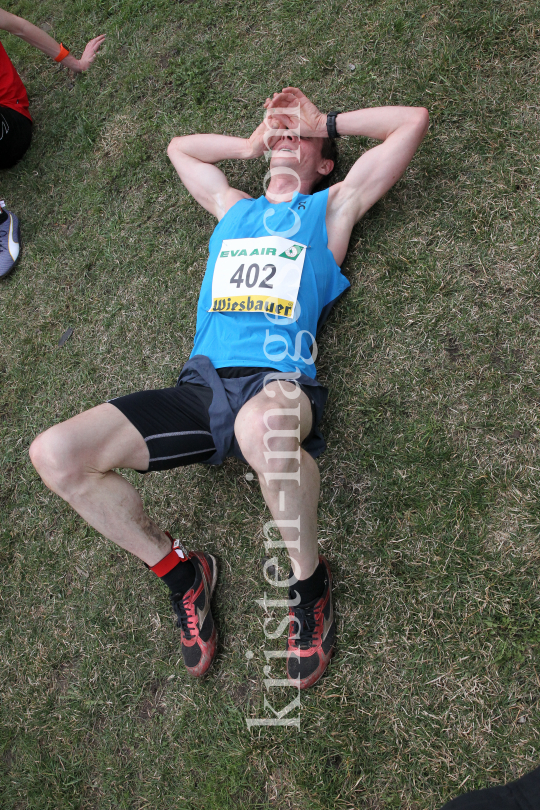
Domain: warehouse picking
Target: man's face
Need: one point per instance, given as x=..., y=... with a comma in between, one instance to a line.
x=303, y=155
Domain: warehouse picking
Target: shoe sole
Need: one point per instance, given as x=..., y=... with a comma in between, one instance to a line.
x=18, y=234
x=214, y=577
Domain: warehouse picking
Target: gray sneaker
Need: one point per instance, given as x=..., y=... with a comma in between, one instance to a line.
x=9, y=243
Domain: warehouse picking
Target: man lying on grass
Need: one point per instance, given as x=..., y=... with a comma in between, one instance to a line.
x=249, y=388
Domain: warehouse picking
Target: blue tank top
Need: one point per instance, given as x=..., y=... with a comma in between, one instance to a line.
x=255, y=338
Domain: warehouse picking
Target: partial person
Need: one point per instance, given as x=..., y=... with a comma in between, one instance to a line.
x=15, y=119
x=249, y=388
x=523, y=794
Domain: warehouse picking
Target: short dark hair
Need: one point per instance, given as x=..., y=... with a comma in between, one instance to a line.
x=329, y=151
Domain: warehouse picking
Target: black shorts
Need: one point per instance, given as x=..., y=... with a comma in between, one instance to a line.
x=174, y=423
x=194, y=422
x=15, y=136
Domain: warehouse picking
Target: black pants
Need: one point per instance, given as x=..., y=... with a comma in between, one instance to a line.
x=524, y=794
x=15, y=136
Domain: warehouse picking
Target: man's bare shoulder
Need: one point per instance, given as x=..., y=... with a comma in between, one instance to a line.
x=233, y=196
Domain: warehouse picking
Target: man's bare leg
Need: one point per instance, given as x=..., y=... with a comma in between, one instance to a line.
x=288, y=498
x=76, y=459
x=290, y=484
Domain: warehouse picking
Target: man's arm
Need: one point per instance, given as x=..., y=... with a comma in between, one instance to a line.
x=35, y=36
x=194, y=156
x=401, y=130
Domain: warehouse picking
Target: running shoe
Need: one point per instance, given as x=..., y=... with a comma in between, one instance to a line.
x=312, y=632
x=192, y=609
x=9, y=243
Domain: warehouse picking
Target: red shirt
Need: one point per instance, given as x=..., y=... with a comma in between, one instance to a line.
x=12, y=90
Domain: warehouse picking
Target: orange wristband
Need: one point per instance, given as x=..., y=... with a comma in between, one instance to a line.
x=62, y=55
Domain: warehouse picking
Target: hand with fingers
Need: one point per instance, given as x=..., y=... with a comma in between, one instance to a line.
x=303, y=115
x=257, y=142
x=89, y=54
x=266, y=134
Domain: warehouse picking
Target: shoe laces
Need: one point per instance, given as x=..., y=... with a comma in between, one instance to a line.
x=306, y=618
x=185, y=611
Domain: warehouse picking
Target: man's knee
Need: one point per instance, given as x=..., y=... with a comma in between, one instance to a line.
x=270, y=439
x=43, y=450
x=54, y=456
x=91, y=443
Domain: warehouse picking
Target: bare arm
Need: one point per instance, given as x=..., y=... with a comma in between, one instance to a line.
x=194, y=156
x=40, y=39
x=401, y=130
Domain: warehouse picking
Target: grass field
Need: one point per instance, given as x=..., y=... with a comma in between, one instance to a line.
x=429, y=511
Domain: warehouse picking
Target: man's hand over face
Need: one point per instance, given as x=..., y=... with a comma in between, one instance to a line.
x=262, y=140
x=256, y=140
x=304, y=113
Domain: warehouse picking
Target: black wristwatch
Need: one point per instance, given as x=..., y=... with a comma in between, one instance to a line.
x=331, y=125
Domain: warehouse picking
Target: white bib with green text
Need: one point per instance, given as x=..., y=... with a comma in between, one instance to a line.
x=260, y=274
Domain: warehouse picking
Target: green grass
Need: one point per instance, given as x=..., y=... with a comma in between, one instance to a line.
x=429, y=512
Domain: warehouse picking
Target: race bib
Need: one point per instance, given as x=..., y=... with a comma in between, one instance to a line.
x=260, y=274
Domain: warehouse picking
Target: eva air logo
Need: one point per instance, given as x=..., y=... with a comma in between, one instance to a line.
x=292, y=253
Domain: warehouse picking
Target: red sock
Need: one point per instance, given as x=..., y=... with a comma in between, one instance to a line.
x=176, y=569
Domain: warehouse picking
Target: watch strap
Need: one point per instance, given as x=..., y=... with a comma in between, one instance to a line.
x=331, y=124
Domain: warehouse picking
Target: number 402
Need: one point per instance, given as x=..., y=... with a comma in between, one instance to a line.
x=252, y=276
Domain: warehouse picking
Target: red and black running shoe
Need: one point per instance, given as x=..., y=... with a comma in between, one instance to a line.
x=198, y=632
x=312, y=632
